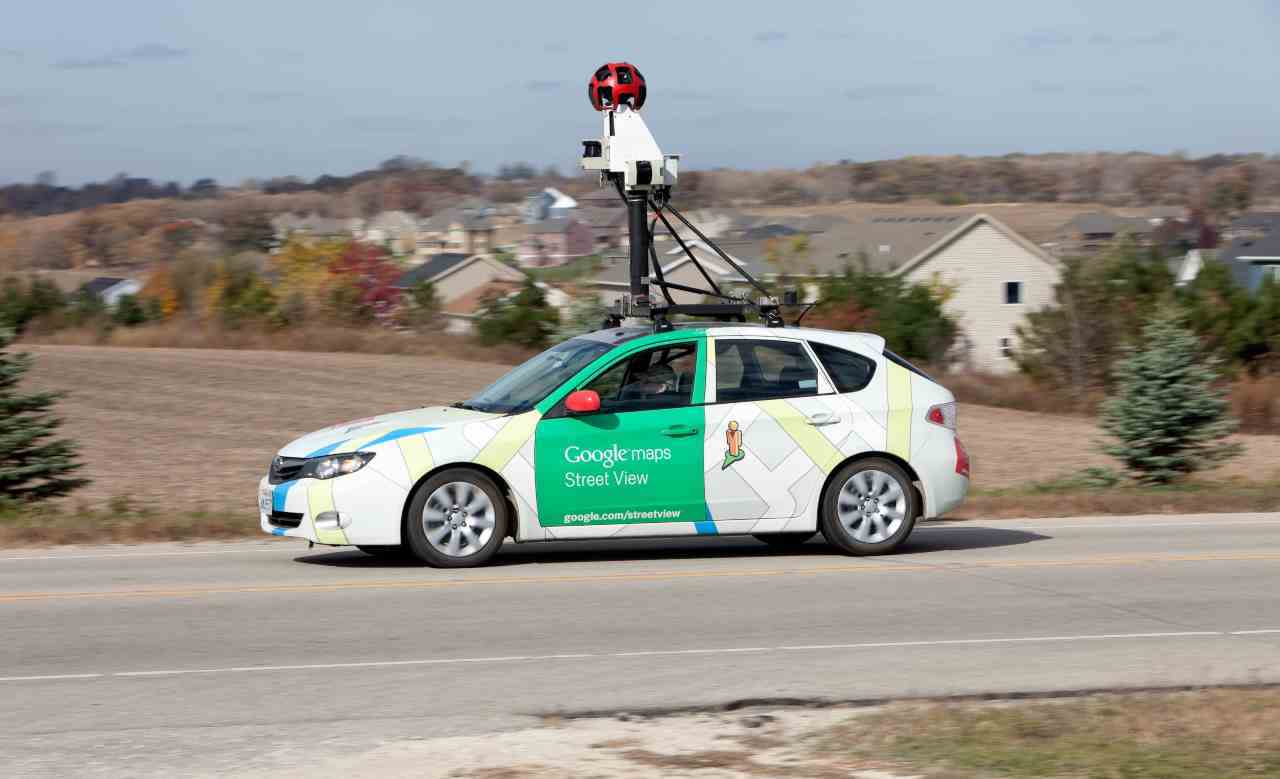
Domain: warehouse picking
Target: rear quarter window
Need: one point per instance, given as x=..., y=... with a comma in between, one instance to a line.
x=850, y=371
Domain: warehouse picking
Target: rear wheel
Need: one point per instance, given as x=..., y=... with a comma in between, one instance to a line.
x=785, y=540
x=869, y=508
x=457, y=519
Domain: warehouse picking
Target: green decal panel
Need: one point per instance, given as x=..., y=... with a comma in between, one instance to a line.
x=618, y=469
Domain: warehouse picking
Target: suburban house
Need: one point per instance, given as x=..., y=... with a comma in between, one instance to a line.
x=461, y=283
x=1251, y=260
x=609, y=229
x=1095, y=231
x=398, y=230
x=614, y=279
x=555, y=242
x=1252, y=224
x=456, y=230
x=314, y=226
x=548, y=204
x=993, y=274
x=109, y=289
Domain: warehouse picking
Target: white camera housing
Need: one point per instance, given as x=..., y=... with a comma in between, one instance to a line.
x=628, y=151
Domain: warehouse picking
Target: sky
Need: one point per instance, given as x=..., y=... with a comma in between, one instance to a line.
x=237, y=89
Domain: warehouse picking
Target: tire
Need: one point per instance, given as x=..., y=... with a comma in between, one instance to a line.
x=388, y=552
x=457, y=519
x=869, y=508
x=785, y=540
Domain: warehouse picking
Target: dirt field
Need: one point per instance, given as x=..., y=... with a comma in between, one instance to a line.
x=194, y=428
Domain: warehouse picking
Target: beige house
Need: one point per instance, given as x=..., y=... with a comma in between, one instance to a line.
x=995, y=277
x=456, y=230
x=461, y=282
x=992, y=276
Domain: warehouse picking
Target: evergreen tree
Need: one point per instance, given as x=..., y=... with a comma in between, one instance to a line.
x=1167, y=416
x=525, y=318
x=34, y=465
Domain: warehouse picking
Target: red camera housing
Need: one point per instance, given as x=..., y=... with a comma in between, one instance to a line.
x=615, y=84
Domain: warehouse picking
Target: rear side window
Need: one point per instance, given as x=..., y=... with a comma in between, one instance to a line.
x=850, y=372
x=758, y=370
x=897, y=360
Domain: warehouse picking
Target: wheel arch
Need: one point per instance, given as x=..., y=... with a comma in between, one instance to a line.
x=489, y=473
x=893, y=458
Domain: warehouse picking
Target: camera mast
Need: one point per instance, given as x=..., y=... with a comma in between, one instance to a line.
x=628, y=158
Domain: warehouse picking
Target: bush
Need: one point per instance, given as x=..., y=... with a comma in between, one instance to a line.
x=1168, y=417
x=1100, y=306
x=909, y=315
x=523, y=319
x=34, y=466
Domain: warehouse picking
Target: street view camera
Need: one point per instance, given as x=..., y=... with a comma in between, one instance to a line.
x=627, y=157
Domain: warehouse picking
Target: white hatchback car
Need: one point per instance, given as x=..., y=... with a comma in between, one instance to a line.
x=779, y=433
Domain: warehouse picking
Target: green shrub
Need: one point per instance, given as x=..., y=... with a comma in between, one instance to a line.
x=523, y=319
x=1168, y=416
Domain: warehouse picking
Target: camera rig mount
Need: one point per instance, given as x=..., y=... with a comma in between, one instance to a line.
x=628, y=158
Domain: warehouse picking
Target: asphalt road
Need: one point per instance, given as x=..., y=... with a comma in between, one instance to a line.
x=266, y=655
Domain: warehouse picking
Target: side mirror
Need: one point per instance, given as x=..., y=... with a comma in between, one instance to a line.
x=582, y=402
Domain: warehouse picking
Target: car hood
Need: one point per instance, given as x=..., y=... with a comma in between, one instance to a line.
x=371, y=431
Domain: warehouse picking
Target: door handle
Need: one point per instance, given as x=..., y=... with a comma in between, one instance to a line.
x=680, y=431
x=818, y=420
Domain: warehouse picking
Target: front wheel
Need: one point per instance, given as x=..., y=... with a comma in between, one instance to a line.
x=869, y=508
x=457, y=519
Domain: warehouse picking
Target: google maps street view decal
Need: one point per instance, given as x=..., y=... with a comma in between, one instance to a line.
x=646, y=427
x=733, y=440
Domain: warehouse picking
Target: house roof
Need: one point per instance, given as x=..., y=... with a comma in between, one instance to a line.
x=1264, y=221
x=552, y=226
x=616, y=266
x=1100, y=222
x=602, y=218
x=437, y=265
x=1244, y=252
x=442, y=221
x=560, y=199
x=887, y=242
x=99, y=285
x=928, y=252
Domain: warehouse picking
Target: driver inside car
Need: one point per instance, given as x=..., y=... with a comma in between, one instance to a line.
x=652, y=382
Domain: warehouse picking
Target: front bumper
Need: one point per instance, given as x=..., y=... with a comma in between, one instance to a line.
x=364, y=508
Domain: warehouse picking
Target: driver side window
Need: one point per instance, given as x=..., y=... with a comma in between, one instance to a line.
x=661, y=377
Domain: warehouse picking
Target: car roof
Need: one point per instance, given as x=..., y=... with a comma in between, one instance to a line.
x=869, y=341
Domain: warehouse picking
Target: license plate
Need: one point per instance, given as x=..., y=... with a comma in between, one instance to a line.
x=264, y=502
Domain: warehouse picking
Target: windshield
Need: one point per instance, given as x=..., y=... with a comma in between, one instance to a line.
x=530, y=382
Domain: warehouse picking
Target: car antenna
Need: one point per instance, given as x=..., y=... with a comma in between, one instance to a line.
x=627, y=156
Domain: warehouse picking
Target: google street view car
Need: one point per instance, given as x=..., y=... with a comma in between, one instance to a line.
x=774, y=432
x=656, y=425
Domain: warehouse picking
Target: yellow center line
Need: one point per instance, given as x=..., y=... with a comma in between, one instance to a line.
x=392, y=584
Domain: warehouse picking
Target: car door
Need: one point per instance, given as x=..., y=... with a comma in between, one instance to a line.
x=765, y=452
x=635, y=462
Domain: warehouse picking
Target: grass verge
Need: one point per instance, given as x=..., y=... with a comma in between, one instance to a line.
x=1219, y=733
x=1070, y=498
x=120, y=521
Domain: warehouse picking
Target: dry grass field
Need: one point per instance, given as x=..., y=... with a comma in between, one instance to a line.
x=183, y=429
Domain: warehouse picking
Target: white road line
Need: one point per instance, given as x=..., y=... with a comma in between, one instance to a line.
x=1021, y=639
x=1254, y=632
x=49, y=677
x=632, y=654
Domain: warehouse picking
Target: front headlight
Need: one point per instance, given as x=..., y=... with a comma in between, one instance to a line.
x=333, y=465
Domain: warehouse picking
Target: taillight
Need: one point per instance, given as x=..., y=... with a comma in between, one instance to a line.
x=943, y=415
x=962, y=460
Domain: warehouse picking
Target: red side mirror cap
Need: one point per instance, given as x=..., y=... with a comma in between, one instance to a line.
x=582, y=402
